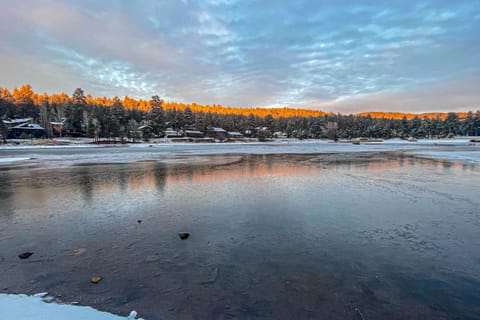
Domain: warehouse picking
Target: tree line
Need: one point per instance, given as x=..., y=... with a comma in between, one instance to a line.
x=111, y=118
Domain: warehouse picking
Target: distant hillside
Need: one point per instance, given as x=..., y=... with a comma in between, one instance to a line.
x=409, y=116
x=258, y=111
x=25, y=94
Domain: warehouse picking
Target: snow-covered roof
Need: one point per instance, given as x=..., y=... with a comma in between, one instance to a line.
x=218, y=129
x=30, y=126
x=193, y=132
x=144, y=127
x=56, y=123
x=12, y=121
x=234, y=133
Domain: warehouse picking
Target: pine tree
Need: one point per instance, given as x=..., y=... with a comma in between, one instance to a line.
x=157, y=121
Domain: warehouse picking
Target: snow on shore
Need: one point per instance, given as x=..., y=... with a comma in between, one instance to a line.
x=23, y=307
x=80, y=154
x=13, y=159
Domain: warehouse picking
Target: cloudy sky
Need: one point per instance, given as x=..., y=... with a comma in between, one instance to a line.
x=413, y=56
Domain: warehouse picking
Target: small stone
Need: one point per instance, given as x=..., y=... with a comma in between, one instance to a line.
x=25, y=255
x=96, y=279
x=184, y=235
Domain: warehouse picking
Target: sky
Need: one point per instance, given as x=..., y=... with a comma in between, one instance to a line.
x=340, y=56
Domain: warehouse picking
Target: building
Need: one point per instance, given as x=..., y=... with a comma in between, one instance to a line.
x=170, y=133
x=57, y=128
x=15, y=122
x=280, y=135
x=217, y=133
x=193, y=134
x=235, y=134
x=25, y=131
x=144, y=131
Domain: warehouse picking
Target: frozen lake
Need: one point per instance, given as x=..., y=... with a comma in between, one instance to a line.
x=278, y=231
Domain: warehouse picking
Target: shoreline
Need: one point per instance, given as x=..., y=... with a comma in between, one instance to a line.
x=458, y=150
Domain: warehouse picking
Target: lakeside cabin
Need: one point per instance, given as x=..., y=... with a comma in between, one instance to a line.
x=234, y=134
x=26, y=131
x=57, y=128
x=170, y=133
x=144, y=131
x=9, y=123
x=193, y=133
x=217, y=133
x=280, y=135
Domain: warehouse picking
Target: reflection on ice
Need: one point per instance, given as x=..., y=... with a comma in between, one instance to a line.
x=276, y=236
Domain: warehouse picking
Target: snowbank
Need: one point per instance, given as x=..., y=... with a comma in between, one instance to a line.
x=23, y=307
x=13, y=159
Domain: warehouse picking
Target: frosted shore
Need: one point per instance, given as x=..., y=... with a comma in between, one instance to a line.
x=37, y=307
x=460, y=150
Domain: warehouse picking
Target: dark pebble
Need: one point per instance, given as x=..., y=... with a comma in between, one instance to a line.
x=184, y=235
x=25, y=255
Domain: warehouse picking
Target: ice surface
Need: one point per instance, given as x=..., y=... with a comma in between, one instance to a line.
x=470, y=156
x=64, y=156
x=23, y=307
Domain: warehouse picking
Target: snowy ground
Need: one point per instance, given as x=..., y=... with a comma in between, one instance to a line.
x=6, y=160
x=37, y=307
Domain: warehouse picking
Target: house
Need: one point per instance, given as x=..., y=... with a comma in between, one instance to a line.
x=57, y=127
x=170, y=133
x=193, y=133
x=280, y=135
x=144, y=131
x=26, y=130
x=15, y=122
x=10, y=123
x=218, y=133
x=234, y=134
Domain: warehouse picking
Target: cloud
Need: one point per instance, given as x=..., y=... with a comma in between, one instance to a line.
x=324, y=54
x=453, y=95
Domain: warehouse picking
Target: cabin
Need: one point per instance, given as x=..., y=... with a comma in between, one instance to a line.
x=9, y=123
x=193, y=134
x=145, y=131
x=57, y=127
x=170, y=133
x=25, y=131
x=217, y=133
x=280, y=135
x=234, y=134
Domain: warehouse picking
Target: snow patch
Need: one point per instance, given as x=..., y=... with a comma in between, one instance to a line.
x=23, y=307
x=13, y=159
